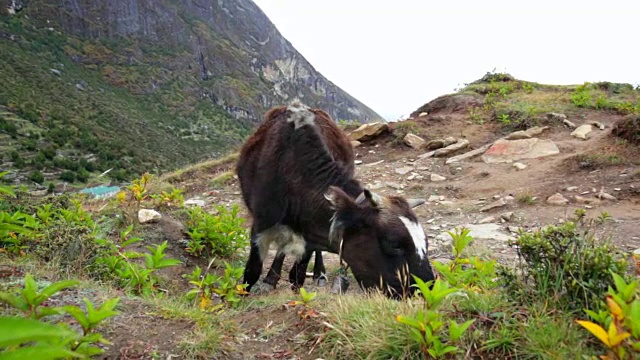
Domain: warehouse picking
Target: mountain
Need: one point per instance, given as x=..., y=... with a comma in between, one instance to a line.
x=139, y=85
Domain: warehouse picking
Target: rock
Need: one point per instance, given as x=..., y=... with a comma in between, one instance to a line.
x=519, y=166
x=636, y=252
x=368, y=131
x=468, y=154
x=445, y=202
x=517, y=135
x=557, y=199
x=556, y=116
x=357, y=162
x=148, y=215
x=395, y=185
x=56, y=72
x=526, y=134
x=82, y=85
x=582, y=131
x=604, y=195
x=494, y=205
x=414, y=141
x=569, y=124
x=404, y=170
x=509, y=199
x=479, y=232
x=513, y=229
x=375, y=163
x=436, y=178
x=439, y=143
x=597, y=124
x=512, y=150
x=571, y=188
x=433, y=198
x=355, y=143
x=377, y=185
x=508, y=216
x=424, y=113
x=585, y=200
x=194, y=202
x=461, y=144
x=487, y=220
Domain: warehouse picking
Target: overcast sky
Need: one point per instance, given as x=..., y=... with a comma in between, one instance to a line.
x=395, y=56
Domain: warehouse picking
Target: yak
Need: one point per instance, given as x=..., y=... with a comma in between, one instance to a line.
x=297, y=180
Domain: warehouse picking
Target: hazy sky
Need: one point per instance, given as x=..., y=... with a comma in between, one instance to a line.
x=395, y=56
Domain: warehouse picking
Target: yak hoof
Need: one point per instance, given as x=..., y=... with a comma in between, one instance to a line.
x=261, y=288
x=321, y=280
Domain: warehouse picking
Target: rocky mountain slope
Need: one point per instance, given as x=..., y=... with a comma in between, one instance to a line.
x=138, y=84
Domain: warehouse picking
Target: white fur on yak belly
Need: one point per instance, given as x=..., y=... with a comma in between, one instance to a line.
x=284, y=239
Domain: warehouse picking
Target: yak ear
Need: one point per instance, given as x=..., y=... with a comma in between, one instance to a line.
x=374, y=199
x=338, y=199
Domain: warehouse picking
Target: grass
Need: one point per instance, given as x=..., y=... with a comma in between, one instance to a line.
x=526, y=199
x=199, y=168
x=518, y=105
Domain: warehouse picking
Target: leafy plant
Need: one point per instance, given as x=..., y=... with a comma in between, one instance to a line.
x=119, y=262
x=566, y=263
x=29, y=300
x=174, y=198
x=467, y=272
x=620, y=318
x=427, y=326
x=581, y=97
x=45, y=340
x=227, y=286
x=220, y=235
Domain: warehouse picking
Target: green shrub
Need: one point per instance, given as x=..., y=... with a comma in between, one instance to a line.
x=68, y=176
x=564, y=263
x=219, y=235
x=36, y=176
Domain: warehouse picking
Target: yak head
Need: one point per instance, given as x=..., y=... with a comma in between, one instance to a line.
x=381, y=240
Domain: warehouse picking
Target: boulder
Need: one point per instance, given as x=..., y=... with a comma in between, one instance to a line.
x=440, y=143
x=557, y=199
x=461, y=144
x=414, y=141
x=582, y=131
x=513, y=150
x=494, y=205
x=368, y=131
x=148, y=215
x=467, y=155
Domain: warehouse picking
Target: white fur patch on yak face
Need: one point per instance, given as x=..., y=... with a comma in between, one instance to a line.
x=300, y=114
x=284, y=239
x=417, y=235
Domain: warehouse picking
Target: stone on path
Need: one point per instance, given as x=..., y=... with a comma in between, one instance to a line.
x=194, y=202
x=557, y=199
x=468, y=154
x=440, y=143
x=404, y=170
x=436, y=178
x=414, y=141
x=512, y=150
x=368, y=131
x=489, y=231
x=519, y=166
x=494, y=205
x=582, y=131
